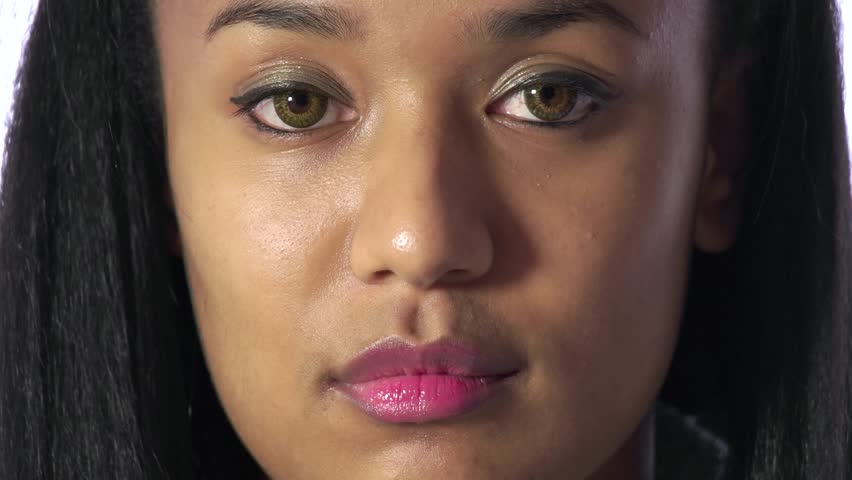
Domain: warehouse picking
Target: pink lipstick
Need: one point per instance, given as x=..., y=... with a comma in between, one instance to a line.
x=399, y=383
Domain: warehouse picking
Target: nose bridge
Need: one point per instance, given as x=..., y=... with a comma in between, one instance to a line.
x=420, y=219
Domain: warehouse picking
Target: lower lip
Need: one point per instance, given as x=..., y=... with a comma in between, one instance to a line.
x=421, y=398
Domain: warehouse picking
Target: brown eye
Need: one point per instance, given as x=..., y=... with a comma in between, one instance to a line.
x=300, y=108
x=565, y=101
x=550, y=102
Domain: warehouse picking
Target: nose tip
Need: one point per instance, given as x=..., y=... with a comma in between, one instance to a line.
x=424, y=256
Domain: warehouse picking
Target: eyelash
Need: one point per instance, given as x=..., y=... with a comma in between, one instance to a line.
x=583, y=85
x=251, y=100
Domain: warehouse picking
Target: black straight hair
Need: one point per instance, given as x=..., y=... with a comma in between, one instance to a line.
x=100, y=363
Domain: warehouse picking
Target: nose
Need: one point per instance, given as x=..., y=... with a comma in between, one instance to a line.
x=422, y=216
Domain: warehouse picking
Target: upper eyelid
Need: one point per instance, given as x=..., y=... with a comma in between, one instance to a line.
x=282, y=76
x=586, y=83
x=262, y=92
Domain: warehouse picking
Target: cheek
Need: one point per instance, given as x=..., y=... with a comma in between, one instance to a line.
x=256, y=244
x=611, y=224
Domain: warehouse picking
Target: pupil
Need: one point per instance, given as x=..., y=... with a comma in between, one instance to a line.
x=548, y=94
x=298, y=102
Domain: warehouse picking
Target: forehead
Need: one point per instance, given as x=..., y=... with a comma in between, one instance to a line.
x=652, y=19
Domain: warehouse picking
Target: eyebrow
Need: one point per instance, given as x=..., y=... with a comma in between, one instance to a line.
x=546, y=16
x=536, y=20
x=321, y=20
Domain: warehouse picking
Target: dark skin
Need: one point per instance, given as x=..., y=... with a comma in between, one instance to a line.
x=424, y=204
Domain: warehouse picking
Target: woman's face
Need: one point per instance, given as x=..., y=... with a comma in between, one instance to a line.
x=443, y=239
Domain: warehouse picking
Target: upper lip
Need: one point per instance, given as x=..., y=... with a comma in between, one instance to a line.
x=393, y=357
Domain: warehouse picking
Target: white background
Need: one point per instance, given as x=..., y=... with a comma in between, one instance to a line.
x=16, y=14
x=15, y=18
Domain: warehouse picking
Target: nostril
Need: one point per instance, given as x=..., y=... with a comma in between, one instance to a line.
x=456, y=275
x=377, y=277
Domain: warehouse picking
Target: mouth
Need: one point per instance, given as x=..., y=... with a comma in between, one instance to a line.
x=395, y=382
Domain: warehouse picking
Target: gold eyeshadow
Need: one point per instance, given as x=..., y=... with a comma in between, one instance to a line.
x=285, y=75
